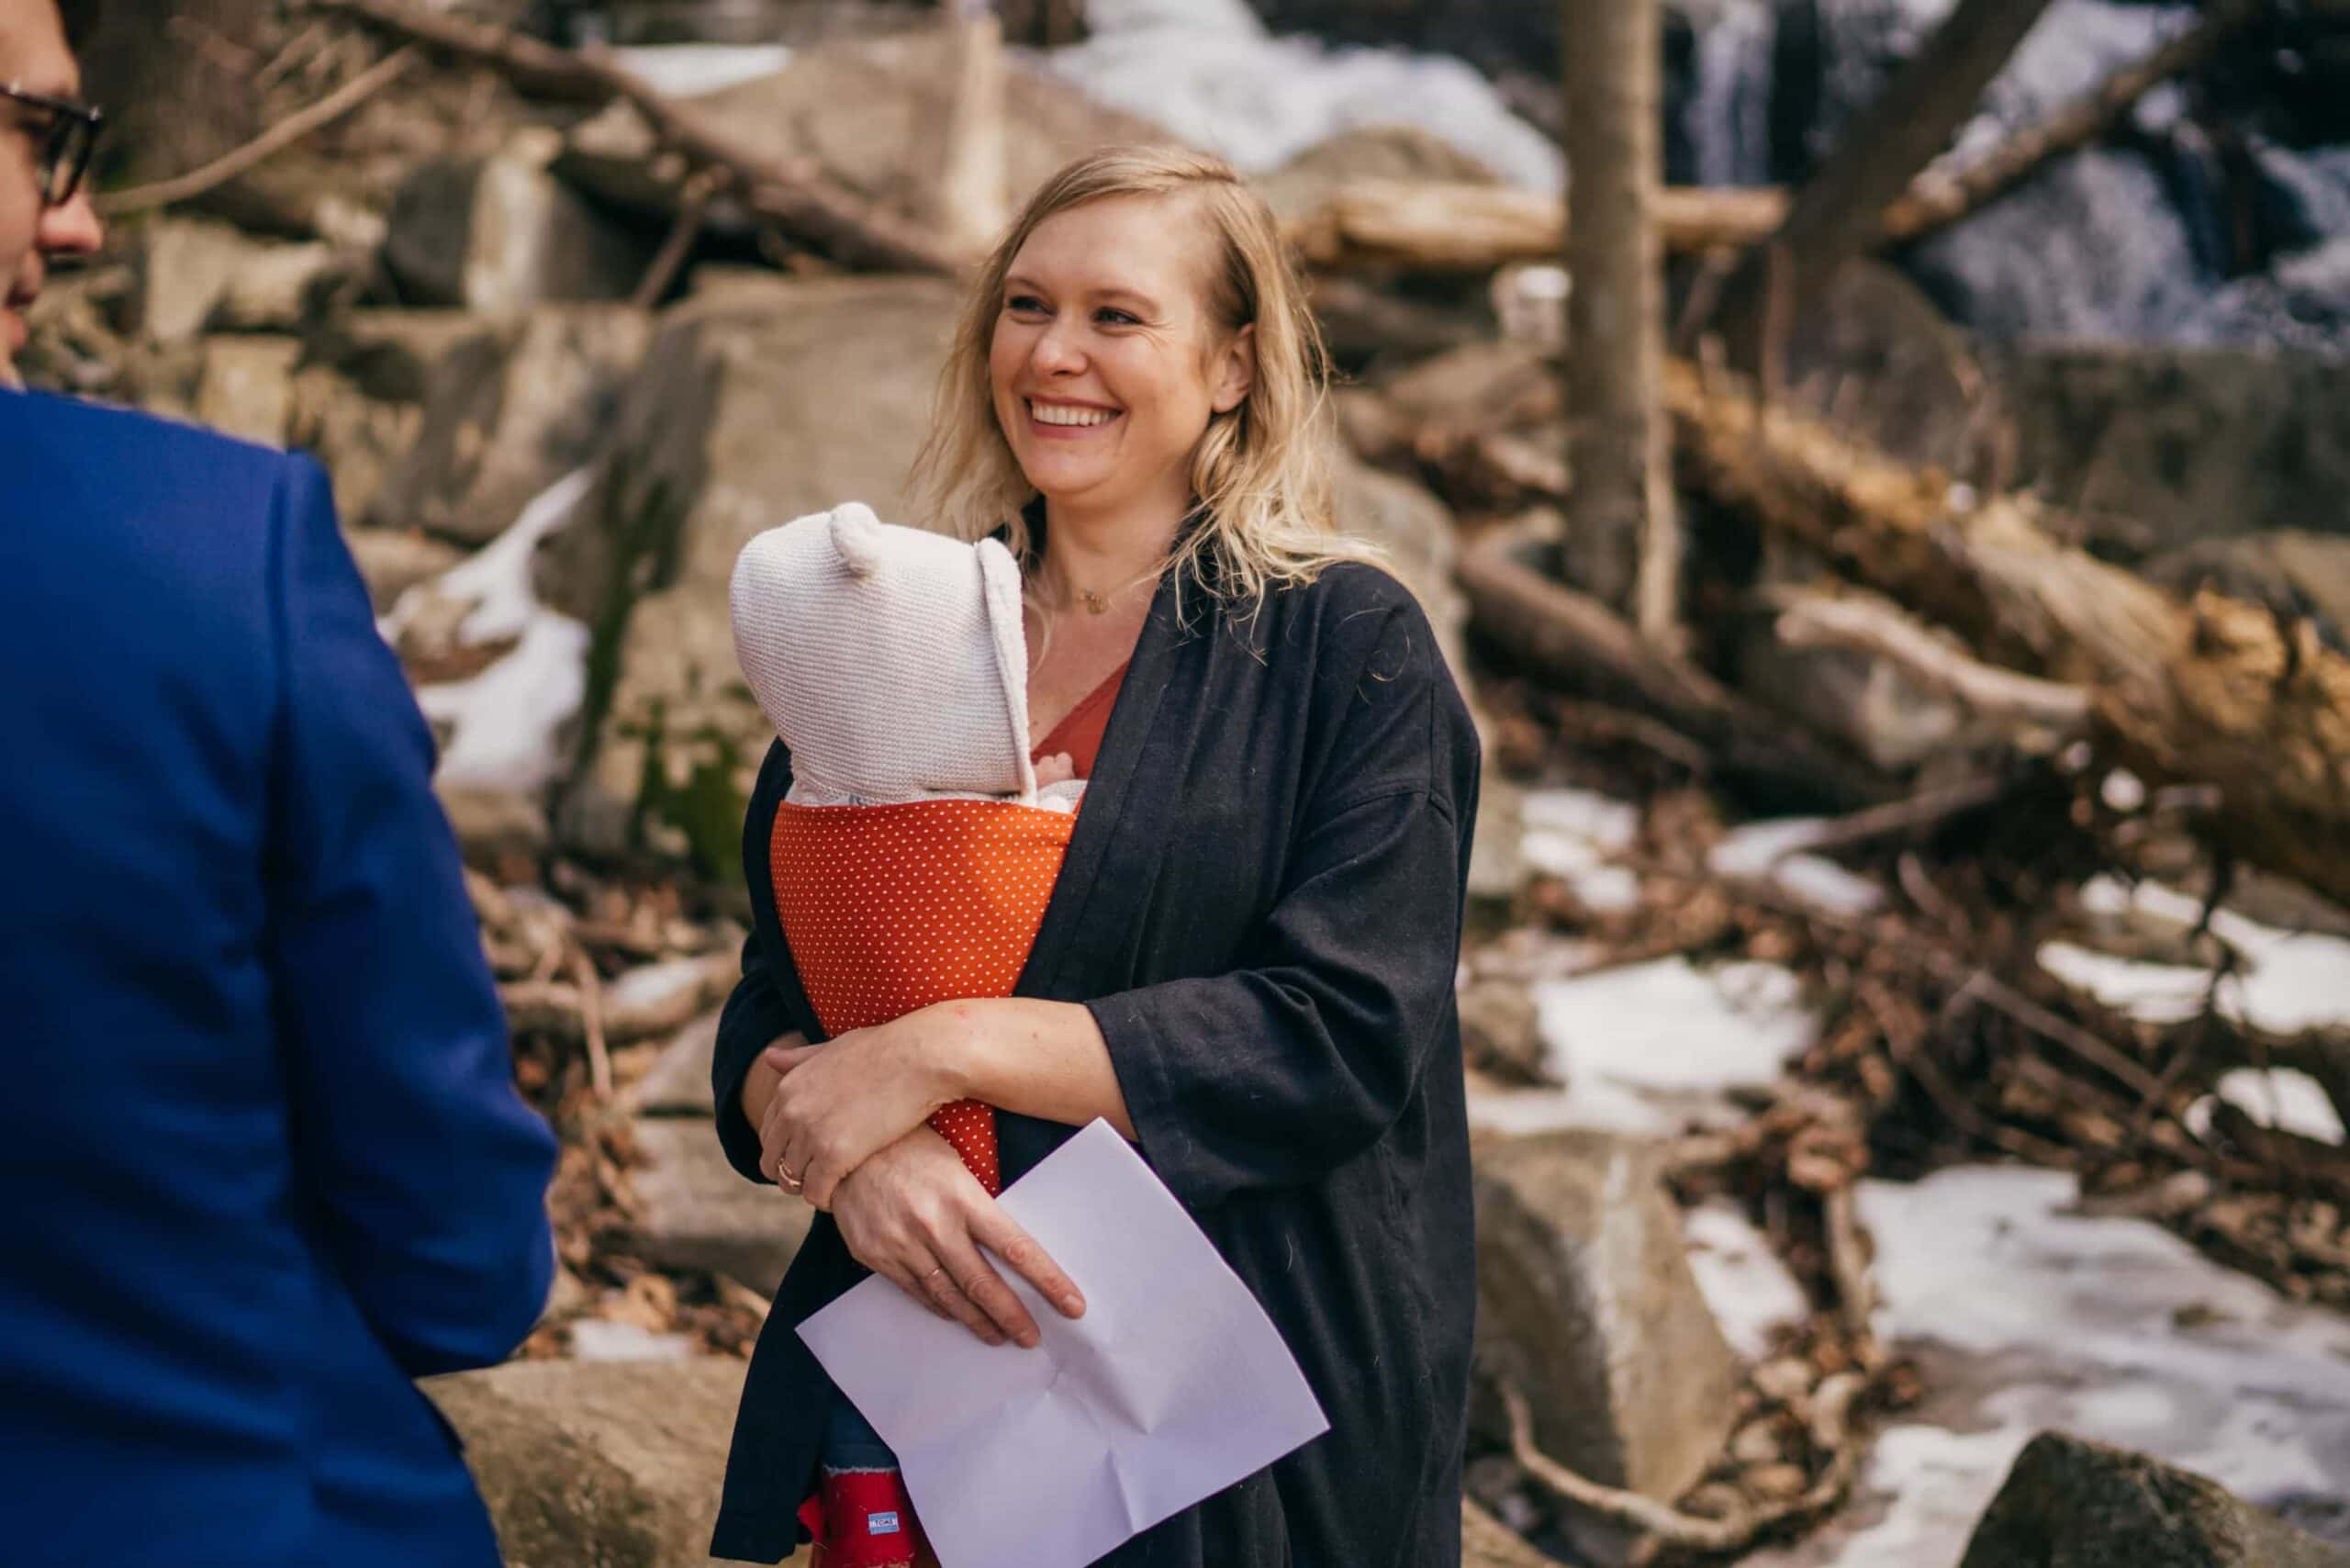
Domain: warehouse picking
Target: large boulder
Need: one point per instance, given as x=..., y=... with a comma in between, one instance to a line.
x=2069, y=1502
x=2158, y=448
x=196, y=273
x=500, y=233
x=695, y=1212
x=869, y=111
x=509, y=411
x=1587, y=1306
x=758, y=403
x=613, y=1464
x=359, y=438
x=247, y=386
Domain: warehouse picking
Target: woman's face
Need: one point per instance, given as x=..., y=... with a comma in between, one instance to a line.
x=1106, y=364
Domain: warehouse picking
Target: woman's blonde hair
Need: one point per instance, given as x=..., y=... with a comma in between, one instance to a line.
x=1261, y=474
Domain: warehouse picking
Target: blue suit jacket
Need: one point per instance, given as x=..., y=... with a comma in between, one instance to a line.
x=261, y=1162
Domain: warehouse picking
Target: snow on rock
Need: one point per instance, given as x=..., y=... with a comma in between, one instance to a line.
x=1572, y=834
x=696, y=70
x=2025, y=1315
x=2281, y=1097
x=1741, y=1276
x=1653, y=1048
x=2287, y=981
x=1772, y=851
x=595, y=1340
x=1208, y=71
x=505, y=722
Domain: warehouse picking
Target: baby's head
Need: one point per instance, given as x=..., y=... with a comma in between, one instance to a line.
x=890, y=660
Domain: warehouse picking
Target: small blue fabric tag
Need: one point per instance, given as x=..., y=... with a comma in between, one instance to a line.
x=882, y=1524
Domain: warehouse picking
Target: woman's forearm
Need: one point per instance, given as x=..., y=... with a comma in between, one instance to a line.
x=1038, y=1058
x=759, y=1088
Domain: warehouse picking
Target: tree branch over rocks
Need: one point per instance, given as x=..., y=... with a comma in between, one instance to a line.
x=794, y=194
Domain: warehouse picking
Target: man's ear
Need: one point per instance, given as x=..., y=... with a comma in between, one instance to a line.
x=1235, y=370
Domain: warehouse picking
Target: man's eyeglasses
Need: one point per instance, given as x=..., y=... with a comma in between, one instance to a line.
x=68, y=134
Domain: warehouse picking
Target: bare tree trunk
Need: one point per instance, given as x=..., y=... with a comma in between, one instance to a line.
x=974, y=202
x=1840, y=212
x=1623, y=539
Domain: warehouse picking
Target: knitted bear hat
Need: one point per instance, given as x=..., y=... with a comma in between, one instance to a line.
x=890, y=660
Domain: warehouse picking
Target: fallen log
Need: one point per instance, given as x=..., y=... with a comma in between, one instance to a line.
x=794, y=194
x=2209, y=691
x=1573, y=639
x=1432, y=226
x=1869, y=624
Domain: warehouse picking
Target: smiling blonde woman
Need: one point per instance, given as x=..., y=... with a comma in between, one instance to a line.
x=1247, y=963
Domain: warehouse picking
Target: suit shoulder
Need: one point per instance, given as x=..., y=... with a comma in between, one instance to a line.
x=128, y=444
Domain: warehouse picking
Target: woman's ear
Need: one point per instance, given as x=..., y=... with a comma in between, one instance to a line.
x=1235, y=370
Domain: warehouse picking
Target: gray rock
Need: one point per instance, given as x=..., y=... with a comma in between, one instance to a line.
x=395, y=560
x=508, y=411
x=2069, y=1502
x=754, y=406
x=610, y=1464
x=1586, y=1303
x=1500, y=1031
x=868, y=110
x=491, y=824
x=1486, y=1542
x=694, y=1211
x=247, y=386
x=391, y=354
x=678, y=1084
x=1367, y=153
x=2158, y=448
x=195, y=273
x=359, y=438
x=500, y=233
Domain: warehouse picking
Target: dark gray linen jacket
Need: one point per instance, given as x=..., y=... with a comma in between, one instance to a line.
x=1261, y=905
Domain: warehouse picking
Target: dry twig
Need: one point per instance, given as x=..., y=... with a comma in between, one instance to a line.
x=276, y=138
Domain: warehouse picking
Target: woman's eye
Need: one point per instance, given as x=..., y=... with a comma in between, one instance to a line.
x=1024, y=305
x=1110, y=316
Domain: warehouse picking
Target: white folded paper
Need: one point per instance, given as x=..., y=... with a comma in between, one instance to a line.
x=1172, y=1386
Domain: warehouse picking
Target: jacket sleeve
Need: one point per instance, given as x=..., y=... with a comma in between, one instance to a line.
x=756, y=1011
x=425, y=1169
x=1277, y=1072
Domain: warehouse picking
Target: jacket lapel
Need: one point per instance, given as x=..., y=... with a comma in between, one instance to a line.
x=1115, y=773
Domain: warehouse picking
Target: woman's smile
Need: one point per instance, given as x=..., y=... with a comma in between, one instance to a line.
x=1053, y=421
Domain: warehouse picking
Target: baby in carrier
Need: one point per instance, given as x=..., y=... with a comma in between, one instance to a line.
x=917, y=847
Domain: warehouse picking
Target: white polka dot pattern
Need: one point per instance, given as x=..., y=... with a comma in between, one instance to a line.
x=891, y=908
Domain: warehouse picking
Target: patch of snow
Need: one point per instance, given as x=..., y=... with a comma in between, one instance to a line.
x=594, y=1339
x=505, y=722
x=2026, y=1315
x=1741, y=1276
x=1210, y=73
x=1649, y=1048
x=1572, y=834
x=696, y=70
x=1771, y=851
x=2279, y=1097
x=2287, y=981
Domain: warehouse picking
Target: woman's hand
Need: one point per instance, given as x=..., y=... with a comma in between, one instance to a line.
x=914, y=1215
x=840, y=1102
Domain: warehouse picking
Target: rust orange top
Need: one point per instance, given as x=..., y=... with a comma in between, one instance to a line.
x=1080, y=734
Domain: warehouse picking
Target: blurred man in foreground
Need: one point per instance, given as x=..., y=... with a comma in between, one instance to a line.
x=263, y=1157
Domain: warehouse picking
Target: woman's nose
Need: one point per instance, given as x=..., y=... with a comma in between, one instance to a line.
x=1057, y=352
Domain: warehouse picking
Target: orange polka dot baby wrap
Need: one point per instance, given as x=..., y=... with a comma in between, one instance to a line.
x=891, y=908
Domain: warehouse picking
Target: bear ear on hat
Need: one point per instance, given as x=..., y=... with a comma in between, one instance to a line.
x=856, y=538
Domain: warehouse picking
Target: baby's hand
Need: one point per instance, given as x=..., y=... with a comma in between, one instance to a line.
x=1058, y=769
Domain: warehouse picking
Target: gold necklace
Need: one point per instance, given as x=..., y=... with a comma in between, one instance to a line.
x=1095, y=602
